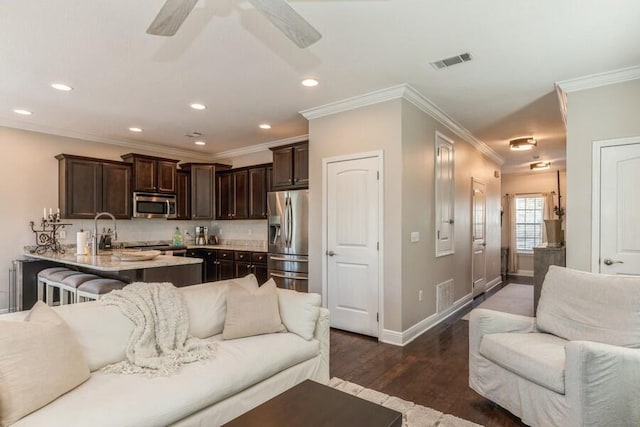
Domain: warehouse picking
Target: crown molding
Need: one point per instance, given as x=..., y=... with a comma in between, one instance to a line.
x=375, y=97
x=600, y=79
x=407, y=92
x=258, y=147
x=135, y=145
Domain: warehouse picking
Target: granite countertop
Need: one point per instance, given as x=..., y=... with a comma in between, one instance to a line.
x=107, y=262
x=232, y=247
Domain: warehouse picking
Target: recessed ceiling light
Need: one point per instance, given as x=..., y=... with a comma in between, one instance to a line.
x=197, y=106
x=309, y=82
x=200, y=143
x=265, y=126
x=62, y=87
x=521, y=144
x=135, y=129
x=23, y=112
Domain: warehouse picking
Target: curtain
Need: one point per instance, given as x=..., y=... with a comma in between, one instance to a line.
x=510, y=207
x=547, y=213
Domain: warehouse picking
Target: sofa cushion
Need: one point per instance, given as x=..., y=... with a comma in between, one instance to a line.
x=299, y=311
x=576, y=305
x=540, y=358
x=207, y=304
x=137, y=400
x=40, y=359
x=252, y=313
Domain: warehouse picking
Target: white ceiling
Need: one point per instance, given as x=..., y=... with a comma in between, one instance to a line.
x=227, y=56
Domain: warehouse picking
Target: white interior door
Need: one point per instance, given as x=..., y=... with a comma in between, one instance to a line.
x=620, y=209
x=352, y=244
x=478, y=236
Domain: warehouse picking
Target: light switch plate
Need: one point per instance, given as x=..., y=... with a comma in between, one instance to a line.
x=415, y=236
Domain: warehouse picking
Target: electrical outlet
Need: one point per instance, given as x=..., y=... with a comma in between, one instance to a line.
x=420, y=295
x=415, y=236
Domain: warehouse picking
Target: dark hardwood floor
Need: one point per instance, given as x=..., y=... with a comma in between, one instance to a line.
x=432, y=370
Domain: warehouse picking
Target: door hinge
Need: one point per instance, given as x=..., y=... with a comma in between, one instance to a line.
x=378, y=175
x=438, y=234
x=378, y=246
x=438, y=152
x=377, y=317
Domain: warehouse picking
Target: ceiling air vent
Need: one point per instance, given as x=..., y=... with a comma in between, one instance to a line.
x=448, y=62
x=193, y=134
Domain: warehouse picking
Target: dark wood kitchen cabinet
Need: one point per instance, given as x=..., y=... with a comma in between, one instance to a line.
x=183, y=196
x=203, y=188
x=290, y=166
x=152, y=174
x=87, y=186
x=232, y=194
x=252, y=263
x=258, y=188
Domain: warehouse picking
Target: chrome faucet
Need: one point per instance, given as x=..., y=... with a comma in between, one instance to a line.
x=94, y=245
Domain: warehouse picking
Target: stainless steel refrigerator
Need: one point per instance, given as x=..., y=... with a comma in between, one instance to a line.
x=288, y=261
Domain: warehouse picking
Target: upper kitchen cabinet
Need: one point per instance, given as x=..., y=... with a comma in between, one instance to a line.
x=291, y=166
x=183, y=195
x=232, y=194
x=258, y=188
x=87, y=186
x=152, y=174
x=203, y=188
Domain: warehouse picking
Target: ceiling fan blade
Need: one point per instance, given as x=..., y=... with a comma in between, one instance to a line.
x=288, y=21
x=171, y=17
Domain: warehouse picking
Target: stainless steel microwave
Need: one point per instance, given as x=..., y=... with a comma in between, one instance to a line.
x=154, y=205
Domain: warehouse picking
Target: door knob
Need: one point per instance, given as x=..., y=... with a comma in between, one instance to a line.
x=609, y=261
x=331, y=253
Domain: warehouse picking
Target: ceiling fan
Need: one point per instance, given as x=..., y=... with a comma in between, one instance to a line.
x=278, y=12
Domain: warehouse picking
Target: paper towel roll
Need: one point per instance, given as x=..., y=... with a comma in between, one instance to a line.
x=81, y=241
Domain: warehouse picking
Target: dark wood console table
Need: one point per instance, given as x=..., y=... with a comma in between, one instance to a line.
x=543, y=257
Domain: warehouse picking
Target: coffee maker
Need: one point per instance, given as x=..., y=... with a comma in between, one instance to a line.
x=202, y=235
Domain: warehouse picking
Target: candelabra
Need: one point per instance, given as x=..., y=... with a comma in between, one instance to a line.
x=46, y=236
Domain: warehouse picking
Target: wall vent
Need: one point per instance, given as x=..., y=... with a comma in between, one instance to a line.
x=448, y=62
x=444, y=296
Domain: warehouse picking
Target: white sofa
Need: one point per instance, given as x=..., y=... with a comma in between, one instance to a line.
x=244, y=373
x=576, y=364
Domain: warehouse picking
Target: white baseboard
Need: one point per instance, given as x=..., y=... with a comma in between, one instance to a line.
x=525, y=273
x=405, y=337
x=492, y=284
x=4, y=310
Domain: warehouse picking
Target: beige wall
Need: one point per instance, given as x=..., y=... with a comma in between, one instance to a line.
x=602, y=113
x=371, y=128
x=524, y=183
x=421, y=270
x=406, y=136
x=258, y=158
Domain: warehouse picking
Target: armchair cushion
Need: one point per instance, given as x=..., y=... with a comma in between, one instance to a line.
x=576, y=305
x=540, y=358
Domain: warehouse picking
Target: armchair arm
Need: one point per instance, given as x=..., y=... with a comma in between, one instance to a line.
x=483, y=321
x=602, y=384
x=321, y=333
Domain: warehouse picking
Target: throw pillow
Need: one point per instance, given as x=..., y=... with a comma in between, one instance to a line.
x=251, y=313
x=299, y=311
x=40, y=359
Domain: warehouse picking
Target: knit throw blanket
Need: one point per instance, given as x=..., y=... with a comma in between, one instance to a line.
x=160, y=342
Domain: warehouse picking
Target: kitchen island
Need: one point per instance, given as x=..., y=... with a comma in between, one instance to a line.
x=180, y=271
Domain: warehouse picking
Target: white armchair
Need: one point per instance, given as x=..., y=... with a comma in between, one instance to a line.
x=576, y=364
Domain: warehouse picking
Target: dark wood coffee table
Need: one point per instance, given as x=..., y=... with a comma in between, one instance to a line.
x=310, y=404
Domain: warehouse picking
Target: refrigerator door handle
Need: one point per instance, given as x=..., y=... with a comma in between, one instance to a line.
x=285, y=221
x=290, y=225
x=282, y=276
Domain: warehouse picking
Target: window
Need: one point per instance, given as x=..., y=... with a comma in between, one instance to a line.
x=528, y=222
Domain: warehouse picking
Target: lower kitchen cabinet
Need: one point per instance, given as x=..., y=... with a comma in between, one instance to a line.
x=222, y=264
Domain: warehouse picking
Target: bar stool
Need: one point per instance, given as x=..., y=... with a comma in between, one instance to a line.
x=69, y=286
x=94, y=289
x=43, y=276
x=55, y=281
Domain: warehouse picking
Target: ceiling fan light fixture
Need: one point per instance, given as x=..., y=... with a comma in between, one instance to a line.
x=197, y=106
x=522, y=144
x=540, y=165
x=310, y=82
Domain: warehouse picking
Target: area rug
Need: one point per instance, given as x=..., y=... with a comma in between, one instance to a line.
x=513, y=298
x=412, y=415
